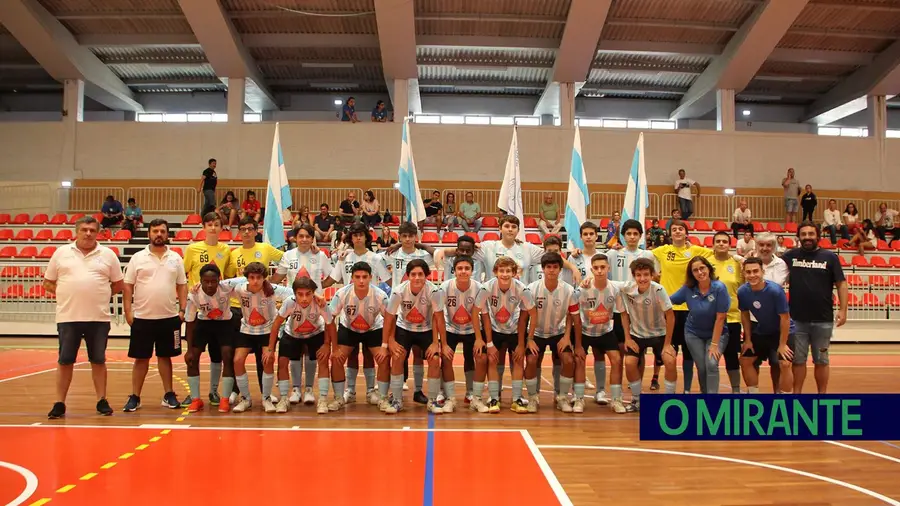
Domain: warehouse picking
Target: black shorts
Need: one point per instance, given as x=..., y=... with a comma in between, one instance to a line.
x=678, y=332
x=467, y=340
x=765, y=347
x=408, y=339
x=601, y=344
x=544, y=342
x=164, y=334
x=95, y=335
x=508, y=341
x=370, y=339
x=215, y=333
x=295, y=347
x=254, y=342
x=236, y=316
x=618, y=329
x=655, y=343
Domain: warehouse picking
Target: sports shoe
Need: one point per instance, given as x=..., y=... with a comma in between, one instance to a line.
x=133, y=404
x=349, y=397
x=589, y=385
x=372, y=397
x=449, y=405
x=420, y=398
x=436, y=406
x=242, y=405
x=617, y=406
x=562, y=404
x=654, y=384
x=337, y=404
x=384, y=403
x=170, y=401
x=274, y=398
x=405, y=387
x=186, y=401
x=233, y=398
x=493, y=406
x=478, y=405
x=634, y=407
x=533, y=402
x=295, y=395
x=601, y=398
x=268, y=405
x=214, y=399
x=578, y=405
x=195, y=406
x=58, y=411
x=224, y=405
x=519, y=405
x=322, y=406
x=103, y=407
x=308, y=398
x=283, y=406
x=395, y=407
x=469, y=397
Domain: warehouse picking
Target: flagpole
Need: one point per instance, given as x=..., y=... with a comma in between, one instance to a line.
x=510, y=199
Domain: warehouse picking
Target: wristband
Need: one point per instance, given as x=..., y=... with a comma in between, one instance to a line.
x=384, y=345
x=490, y=345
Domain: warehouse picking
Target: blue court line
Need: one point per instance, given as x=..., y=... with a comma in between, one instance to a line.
x=890, y=444
x=428, y=492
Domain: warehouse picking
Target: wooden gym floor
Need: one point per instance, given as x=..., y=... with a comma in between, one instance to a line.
x=160, y=456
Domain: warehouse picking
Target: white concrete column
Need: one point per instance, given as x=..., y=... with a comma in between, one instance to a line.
x=73, y=115
x=876, y=119
x=235, y=109
x=725, y=110
x=400, y=99
x=567, y=105
x=236, y=88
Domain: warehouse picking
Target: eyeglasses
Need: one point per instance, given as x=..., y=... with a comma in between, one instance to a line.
x=247, y=229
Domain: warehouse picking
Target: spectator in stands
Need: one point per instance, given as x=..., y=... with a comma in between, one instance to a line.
x=302, y=217
x=746, y=246
x=791, y=194
x=379, y=113
x=371, y=215
x=685, y=200
x=549, y=219
x=112, y=211
x=612, y=232
x=832, y=222
x=774, y=268
x=808, y=203
x=852, y=219
x=386, y=240
x=740, y=220
x=676, y=216
x=251, y=207
x=433, y=210
x=348, y=113
x=451, y=213
x=349, y=210
x=886, y=222
x=324, y=224
x=470, y=212
x=780, y=249
x=227, y=211
x=134, y=217
x=208, y=182
x=864, y=237
x=656, y=235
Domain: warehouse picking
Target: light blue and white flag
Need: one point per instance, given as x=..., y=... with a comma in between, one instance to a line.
x=637, y=200
x=278, y=196
x=408, y=182
x=579, y=197
x=511, y=191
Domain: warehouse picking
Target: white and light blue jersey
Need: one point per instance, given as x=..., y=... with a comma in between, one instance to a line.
x=415, y=311
x=646, y=311
x=552, y=307
x=343, y=271
x=303, y=322
x=522, y=253
x=504, y=307
x=201, y=306
x=258, y=311
x=398, y=261
x=597, y=307
x=359, y=315
x=537, y=274
x=315, y=266
x=620, y=262
x=477, y=268
x=459, y=306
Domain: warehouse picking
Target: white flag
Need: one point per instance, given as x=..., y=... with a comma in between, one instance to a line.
x=278, y=196
x=511, y=192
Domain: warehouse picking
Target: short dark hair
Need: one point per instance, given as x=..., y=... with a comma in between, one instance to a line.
x=157, y=222
x=251, y=192
x=131, y=199
x=551, y=240
x=642, y=264
x=600, y=256
x=308, y=228
x=86, y=220
x=361, y=266
x=726, y=234
x=754, y=260
x=463, y=259
x=690, y=281
x=255, y=268
x=418, y=263
x=551, y=259
x=325, y=205
x=248, y=220
x=304, y=283
x=805, y=224
x=359, y=228
x=675, y=210
x=509, y=218
x=211, y=160
x=408, y=228
x=678, y=223
x=213, y=268
x=589, y=225
x=632, y=224
x=211, y=216
x=465, y=238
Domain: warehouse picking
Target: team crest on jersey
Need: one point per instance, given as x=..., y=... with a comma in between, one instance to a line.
x=215, y=314
x=222, y=300
x=373, y=309
x=258, y=254
x=219, y=255
x=730, y=269
x=687, y=254
x=513, y=300
x=711, y=298
x=470, y=300
x=757, y=304
x=557, y=303
x=610, y=299
x=646, y=302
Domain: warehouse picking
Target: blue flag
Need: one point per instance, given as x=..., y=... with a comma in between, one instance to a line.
x=278, y=196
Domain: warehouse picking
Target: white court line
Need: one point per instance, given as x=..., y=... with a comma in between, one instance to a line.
x=31, y=482
x=863, y=450
x=35, y=373
x=561, y=495
x=268, y=429
x=833, y=481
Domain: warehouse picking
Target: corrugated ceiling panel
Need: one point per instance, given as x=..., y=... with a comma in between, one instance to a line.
x=114, y=54
x=665, y=34
x=362, y=88
x=127, y=26
x=661, y=79
x=176, y=89
x=476, y=90
x=636, y=95
x=476, y=56
x=766, y=86
x=490, y=28
x=70, y=6
x=550, y=8
x=301, y=5
x=512, y=74
x=143, y=71
x=826, y=43
x=651, y=61
x=763, y=99
x=295, y=23
x=357, y=73
x=730, y=12
x=802, y=68
x=847, y=18
x=316, y=53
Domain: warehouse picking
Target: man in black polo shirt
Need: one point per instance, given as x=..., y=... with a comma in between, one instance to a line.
x=813, y=273
x=324, y=224
x=349, y=210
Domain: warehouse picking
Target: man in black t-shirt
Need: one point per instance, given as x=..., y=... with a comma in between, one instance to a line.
x=324, y=224
x=812, y=274
x=349, y=210
x=433, y=208
x=208, y=181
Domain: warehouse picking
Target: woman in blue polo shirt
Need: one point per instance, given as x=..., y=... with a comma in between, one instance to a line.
x=705, y=331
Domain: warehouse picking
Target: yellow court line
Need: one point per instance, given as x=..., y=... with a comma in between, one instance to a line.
x=142, y=447
x=40, y=502
x=126, y=456
x=88, y=476
x=166, y=431
x=63, y=490
x=108, y=465
x=155, y=439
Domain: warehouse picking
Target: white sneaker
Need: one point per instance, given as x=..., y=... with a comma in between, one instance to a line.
x=578, y=405
x=478, y=405
x=373, y=397
x=602, y=398
x=562, y=404
x=394, y=407
x=308, y=398
x=384, y=404
x=470, y=396
x=233, y=398
x=405, y=387
x=617, y=406
x=283, y=406
x=349, y=396
x=449, y=405
x=336, y=405
x=435, y=407
x=533, y=402
x=268, y=405
x=322, y=406
x=589, y=385
x=243, y=405
x=295, y=395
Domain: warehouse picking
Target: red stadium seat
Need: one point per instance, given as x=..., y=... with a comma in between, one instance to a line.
x=27, y=252
x=852, y=299
x=122, y=236
x=10, y=271
x=843, y=261
x=449, y=238
x=430, y=238
x=75, y=217
x=871, y=300
x=720, y=226
x=201, y=236
x=64, y=235
x=788, y=242
x=844, y=244
x=856, y=280
x=13, y=292
x=4, y=218
x=329, y=292
x=225, y=235
x=708, y=241
x=33, y=271
x=491, y=236
x=688, y=225
x=26, y=234
x=774, y=227
x=860, y=261
x=694, y=240
x=39, y=219
x=178, y=250
x=882, y=245
x=733, y=242
x=58, y=219
x=114, y=250
x=893, y=280
x=758, y=227
x=193, y=219
x=892, y=299
x=6, y=234
x=790, y=228
x=10, y=252
x=876, y=280
x=183, y=235
x=879, y=262
x=474, y=236
x=98, y=216
x=37, y=292
x=434, y=276
x=490, y=222
x=104, y=235
x=648, y=224
x=21, y=219
x=702, y=226
x=533, y=238
x=895, y=262
x=825, y=243
x=895, y=245
x=530, y=222
x=44, y=235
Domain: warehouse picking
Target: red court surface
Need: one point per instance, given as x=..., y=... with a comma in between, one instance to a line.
x=135, y=466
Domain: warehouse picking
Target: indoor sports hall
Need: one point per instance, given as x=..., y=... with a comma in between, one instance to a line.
x=725, y=118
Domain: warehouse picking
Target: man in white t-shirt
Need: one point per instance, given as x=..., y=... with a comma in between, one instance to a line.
x=156, y=280
x=740, y=220
x=83, y=275
x=683, y=187
x=774, y=268
x=886, y=223
x=832, y=223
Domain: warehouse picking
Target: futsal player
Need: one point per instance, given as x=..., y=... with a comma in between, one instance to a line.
x=552, y=244
x=581, y=258
x=524, y=254
x=415, y=317
x=465, y=246
x=648, y=322
x=728, y=271
x=507, y=305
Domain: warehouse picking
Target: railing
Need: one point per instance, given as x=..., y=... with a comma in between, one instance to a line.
x=873, y=205
x=315, y=197
x=240, y=194
x=485, y=198
x=87, y=199
x=604, y=204
x=822, y=205
x=163, y=200
x=26, y=198
x=390, y=199
x=706, y=207
x=533, y=199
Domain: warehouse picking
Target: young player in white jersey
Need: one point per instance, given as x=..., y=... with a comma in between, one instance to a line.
x=304, y=261
x=304, y=317
x=361, y=243
x=465, y=247
x=552, y=244
x=581, y=259
x=415, y=317
x=648, y=321
x=524, y=254
x=597, y=304
x=360, y=310
x=207, y=318
x=506, y=307
x=463, y=321
x=556, y=311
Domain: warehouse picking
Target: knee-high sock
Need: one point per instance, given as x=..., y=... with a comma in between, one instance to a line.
x=532, y=386
x=227, y=385
x=600, y=374
x=310, y=372
x=351, y=379
x=516, y=390
x=284, y=387
x=734, y=376
x=434, y=388
x=323, y=387
x=215, y=372
x=243, y=384
x=397, y=386
x=565, y=384
x=369, y=373
x=450, y=389
x=296, y=372
x=470, y=381
x=418, y=377
x=635, y=387
x=194, y=386
x=268, y=380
